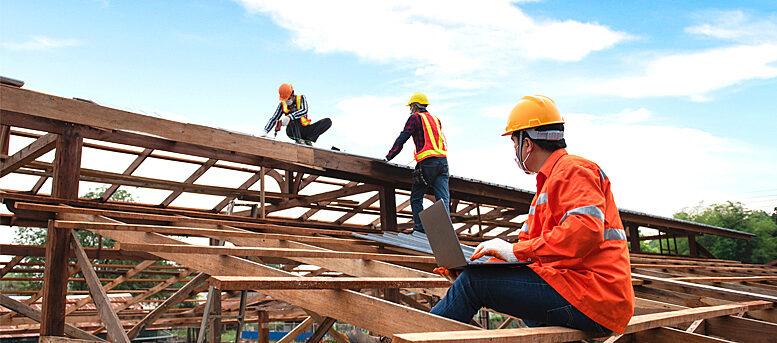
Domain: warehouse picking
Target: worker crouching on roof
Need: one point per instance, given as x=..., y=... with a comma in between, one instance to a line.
x=431, y=153
x=293, y=113
x=581, y=277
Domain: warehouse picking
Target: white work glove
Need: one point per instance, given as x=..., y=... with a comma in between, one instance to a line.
x=497, y=248
x=285, y=120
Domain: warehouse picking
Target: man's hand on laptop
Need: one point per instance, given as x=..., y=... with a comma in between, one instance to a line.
x=497, y=248
x=450, y=275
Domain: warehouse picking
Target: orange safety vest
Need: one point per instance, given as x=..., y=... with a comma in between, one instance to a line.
x=303, y=120
x=434, y=140
x=576, y=239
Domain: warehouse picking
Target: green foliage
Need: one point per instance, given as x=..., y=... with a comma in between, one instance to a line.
x=761, y=249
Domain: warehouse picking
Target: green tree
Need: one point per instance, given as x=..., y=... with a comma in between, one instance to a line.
x=761, y=249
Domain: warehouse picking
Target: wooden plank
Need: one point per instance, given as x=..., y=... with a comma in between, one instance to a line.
x=28, y=154
x=263, y=326
x=100, y=299
x=323, y=326
x=561, y=334
x=202, y=232
x=358, y=209
x=269, y=252
x=388, y=209
x=55, y=278
x=723, y=278
x=5, y=139
x=305, y=200
x=299, y=329
x=345, y=305
x=10, y=265
x=226, y=220
x=131, y=169
x=690, y=285
x=672, y=335
x=245, y=185
x=119, y=280
x=35, y=315
x=741, y=329
x=190, y=180
x=237, y=283
x=57, y=339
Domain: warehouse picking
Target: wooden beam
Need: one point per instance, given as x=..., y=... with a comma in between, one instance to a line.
x=689, y=285
x=741, y=329
x=100, y=299
x=245, y=185
x=305, y=200
x=723, y=278
x=269, y=252
x=190, y=180
x=35, y=315
x=388, y=209
x=322, y=329
x=11, y=264
x=119, y=280
x=561, y=334
x=28, y=154
x=358, y=209
x=131, y=169
x=5, y=139
x=202, y=232
x=299, y=329
x=348, y=306
x=238, y=283
x=672, y=335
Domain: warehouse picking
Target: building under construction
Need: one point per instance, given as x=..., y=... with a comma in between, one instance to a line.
x=291, y=233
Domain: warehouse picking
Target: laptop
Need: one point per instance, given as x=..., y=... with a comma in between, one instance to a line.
x=445, y=242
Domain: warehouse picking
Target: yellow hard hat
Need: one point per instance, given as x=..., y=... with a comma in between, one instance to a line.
x=419, y=98
x=532, y=111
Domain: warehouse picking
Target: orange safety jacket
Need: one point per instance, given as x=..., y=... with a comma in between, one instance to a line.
x=576, y=239
x=434, y=140
x=303, y=120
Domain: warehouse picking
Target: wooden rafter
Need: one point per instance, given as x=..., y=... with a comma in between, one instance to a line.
x=28, y=154
x=130, y=169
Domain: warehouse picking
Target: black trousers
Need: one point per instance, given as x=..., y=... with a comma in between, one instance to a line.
x=311, y=132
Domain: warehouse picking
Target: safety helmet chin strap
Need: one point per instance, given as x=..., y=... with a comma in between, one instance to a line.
x=551, y=135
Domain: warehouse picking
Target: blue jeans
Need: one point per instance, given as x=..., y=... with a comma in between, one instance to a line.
x=435, y=172
x=519, y=292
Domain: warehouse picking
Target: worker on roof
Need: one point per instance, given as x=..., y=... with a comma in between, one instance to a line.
x=292, y=112
x=431, y=151
x=581, y=276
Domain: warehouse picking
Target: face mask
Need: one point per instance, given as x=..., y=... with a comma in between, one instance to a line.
x=288, y=102
x=522, y=164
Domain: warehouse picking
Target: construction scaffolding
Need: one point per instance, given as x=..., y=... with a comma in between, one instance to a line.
x=296, y=240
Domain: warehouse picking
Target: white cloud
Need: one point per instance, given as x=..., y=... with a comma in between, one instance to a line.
x=694, y=74
x=628, y=116
x=42, y=43
x=446, y=39
x=735, y=25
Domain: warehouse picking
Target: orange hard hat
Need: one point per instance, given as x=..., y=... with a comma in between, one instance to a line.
x=285, y=91
x=532, y=111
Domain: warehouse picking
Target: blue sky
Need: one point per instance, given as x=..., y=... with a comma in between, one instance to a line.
x=675, y=100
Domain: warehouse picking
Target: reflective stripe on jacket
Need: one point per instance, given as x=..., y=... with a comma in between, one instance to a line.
x=434, y=140
x=575, y=237
x=303, y=119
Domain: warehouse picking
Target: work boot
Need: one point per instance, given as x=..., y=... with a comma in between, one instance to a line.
x=308, y=143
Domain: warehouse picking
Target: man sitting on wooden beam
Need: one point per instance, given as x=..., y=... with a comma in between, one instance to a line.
x=581, y=275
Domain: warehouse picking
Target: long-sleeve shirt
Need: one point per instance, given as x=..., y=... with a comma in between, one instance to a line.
x=414, y=128
x=293, y=113
x=575, y=236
